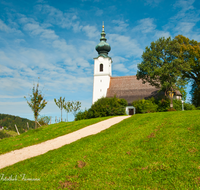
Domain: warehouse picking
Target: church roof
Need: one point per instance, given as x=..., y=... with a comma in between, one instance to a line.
x=131, y=89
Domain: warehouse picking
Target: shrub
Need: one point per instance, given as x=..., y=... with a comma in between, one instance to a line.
x=44, y=120
x=188, y=106
x=145, y=106
x=177, y=105
x=163, y=104
x=104, y=107
x=82, y=115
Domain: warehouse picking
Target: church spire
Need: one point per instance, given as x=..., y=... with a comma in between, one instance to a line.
x=103, y=47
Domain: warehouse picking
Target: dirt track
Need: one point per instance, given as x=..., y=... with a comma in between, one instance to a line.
x=15, y=156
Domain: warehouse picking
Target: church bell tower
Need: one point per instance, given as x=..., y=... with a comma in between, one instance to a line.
x=102, y=68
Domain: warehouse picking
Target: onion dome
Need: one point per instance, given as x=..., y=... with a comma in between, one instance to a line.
x=103, y=47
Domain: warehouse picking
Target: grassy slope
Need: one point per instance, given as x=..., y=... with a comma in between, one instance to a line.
x=43, y=133
x=147, y=151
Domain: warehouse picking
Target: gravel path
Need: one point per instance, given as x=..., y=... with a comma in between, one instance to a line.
x=15, y=156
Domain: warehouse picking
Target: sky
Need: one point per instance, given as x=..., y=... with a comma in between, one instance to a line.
x=55, y=42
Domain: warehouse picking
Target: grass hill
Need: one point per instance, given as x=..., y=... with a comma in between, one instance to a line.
x=146, y=151
x=9, y=122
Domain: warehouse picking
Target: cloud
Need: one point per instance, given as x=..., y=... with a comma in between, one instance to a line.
x=4, y=27
x=98, y=12
x=185, y=20
x=91, y=31
x=184, y=27
x=36, y=29
x=145, y=26
x=119, y=67
x=7, y=29
x=121, y=25
x=124, y=46
x=55, y=16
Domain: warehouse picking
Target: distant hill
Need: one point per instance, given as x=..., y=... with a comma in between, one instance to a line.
x=8, y=122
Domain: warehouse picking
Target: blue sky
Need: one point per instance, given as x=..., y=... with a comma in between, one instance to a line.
x=55, y=41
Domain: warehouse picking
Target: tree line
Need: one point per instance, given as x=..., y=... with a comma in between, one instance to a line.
x=9, y=121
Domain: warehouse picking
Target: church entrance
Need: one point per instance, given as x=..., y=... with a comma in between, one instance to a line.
x=130, y=111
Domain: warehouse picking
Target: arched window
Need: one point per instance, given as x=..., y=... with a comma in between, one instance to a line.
x=101, y=67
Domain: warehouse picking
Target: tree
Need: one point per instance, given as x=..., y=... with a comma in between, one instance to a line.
x=68, y=108
x=75, y=107
x=161, y=65
x=37, y=102
x=190, y=54
x=60, y=103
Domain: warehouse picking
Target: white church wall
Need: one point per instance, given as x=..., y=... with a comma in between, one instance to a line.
x=106, y=66
x=101, y=84
x=101, y=78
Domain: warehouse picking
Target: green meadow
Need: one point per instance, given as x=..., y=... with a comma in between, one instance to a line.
x=44, y=133
x=145, y=151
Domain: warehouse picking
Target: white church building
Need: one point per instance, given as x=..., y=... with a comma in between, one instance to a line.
x=127, y=87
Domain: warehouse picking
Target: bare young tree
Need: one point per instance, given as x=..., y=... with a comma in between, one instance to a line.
x=60, y=103
x=37, y=102
x=75, y=107
x=68, y=108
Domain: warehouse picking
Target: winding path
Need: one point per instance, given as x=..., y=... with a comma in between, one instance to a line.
x=15, y=156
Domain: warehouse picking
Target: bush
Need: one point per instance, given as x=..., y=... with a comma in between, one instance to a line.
x=44, y=120
x=82, y=115
x=177, y=105
x=163, y=104
x=104, y=107
x=145, y=106
x=188, y=106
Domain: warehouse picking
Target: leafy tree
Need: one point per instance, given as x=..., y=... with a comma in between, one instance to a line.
x=190, y=55
x=195, y=93
x=75, y=107
x=37, y=102
x=68, y=107
x=161, y=65
x=60, y=103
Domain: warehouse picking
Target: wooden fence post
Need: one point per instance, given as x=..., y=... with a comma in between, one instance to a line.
x=17, y=129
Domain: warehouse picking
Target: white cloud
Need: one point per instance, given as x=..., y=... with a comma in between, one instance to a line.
x=145, y=26
x=120, y=67
x=36, y=29
x=121, y=25
x=7, y=29
x=184, y=27
x=124, y=46
x=91, y=31
x=3, y=26
x=99, y=12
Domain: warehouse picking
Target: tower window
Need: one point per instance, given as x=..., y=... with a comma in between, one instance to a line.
x=101, y=67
